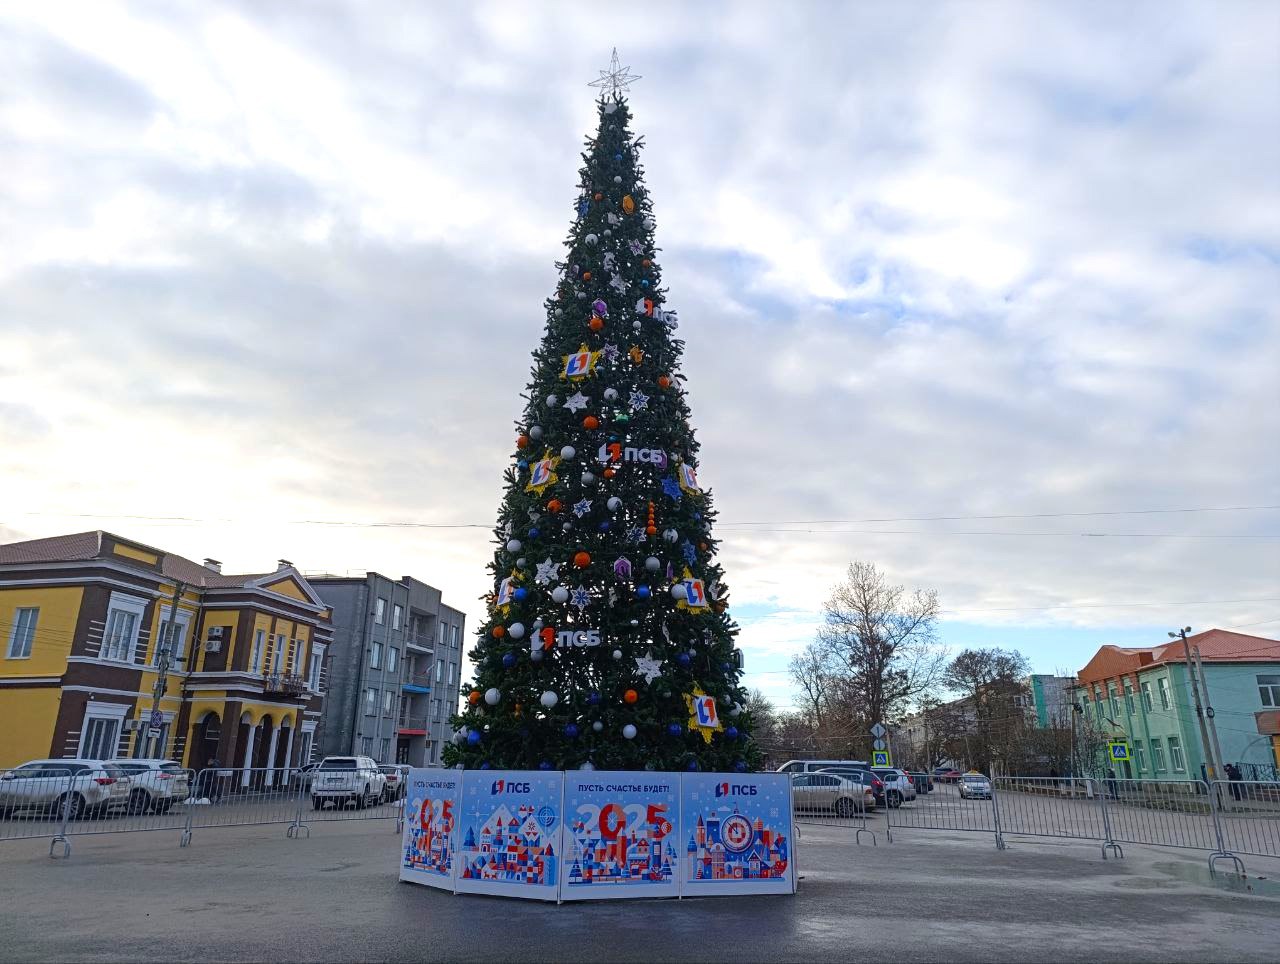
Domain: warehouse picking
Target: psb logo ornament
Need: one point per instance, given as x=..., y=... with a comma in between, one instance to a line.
x=542, y=474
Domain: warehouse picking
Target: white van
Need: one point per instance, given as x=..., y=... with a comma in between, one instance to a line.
x=811, y=766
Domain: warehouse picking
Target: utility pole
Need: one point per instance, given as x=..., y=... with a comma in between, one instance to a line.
x=1208, y=712
x=162, y=662
x=1211, y=764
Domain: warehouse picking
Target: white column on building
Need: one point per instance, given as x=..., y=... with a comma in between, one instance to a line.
x=271, y=755
x=288, y=749
x=248, y=755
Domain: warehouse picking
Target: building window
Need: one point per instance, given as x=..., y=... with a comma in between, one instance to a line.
x=24, y=632
x=1139, y=755
x=308, y=739
x=375, y=655
x=1157, y=756
x=380, y=611
x=255, y=658
x=1128, y=698
x=1175, y=754
x=1084, y=706
x=393, y=658
x=366, y=746
x=444, y=636
x=455, y=635
x=439, y=671
x=1162, y=685
x=124, y=619
x=296, y=647
x=1146, y=696
x=277, y=660
x=435, y=709
x=100, y=733
x=453, y=672
x=397, y=615
x=1115, y=702
x=313, y=674
x=370, y=701
x=387, y=696
x=1268, y=689
x=178, y=645
x=385, y=751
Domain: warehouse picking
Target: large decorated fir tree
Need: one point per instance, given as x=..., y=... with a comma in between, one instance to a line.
x=607, y=643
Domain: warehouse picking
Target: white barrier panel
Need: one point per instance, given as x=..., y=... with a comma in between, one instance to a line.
x=429, y=847
x=510, y=826
x=619, y=835
x=736, y=833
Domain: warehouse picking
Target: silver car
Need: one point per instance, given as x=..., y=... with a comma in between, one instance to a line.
x=975, y=786
x=830, y=793
x=82, y=787
x=156, y=783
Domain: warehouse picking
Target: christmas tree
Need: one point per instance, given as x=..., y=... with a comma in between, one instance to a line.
x=607, y=643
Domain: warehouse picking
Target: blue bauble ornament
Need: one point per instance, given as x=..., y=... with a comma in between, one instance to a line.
x=533, y=534
x=673, y=729
x=544, y=765
x=617, y=157
x=571, y=730
x=642, y=592
x=604, y=526
x=740, y=766
x=731, y=733
x=683, y=660
x=473, y=737
x=593, y=698
x=523, y=463
x=693, y=766
x=508, y=660
x=486, y=765
x=644, y=283
x=724, y=667
x=521, y=593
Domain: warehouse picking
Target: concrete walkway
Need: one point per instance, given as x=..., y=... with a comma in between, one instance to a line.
x=249, y=894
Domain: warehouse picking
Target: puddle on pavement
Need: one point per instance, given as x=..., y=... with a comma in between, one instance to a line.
x=1233, y=883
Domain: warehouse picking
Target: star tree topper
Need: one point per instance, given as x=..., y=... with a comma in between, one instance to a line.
x=616, y=80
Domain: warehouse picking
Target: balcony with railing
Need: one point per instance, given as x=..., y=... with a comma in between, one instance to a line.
x=421, y=642
x=289, y=684
x=416, y=683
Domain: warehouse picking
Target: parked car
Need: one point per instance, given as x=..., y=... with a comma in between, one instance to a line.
x=397, y=775
x=923, y=781
x=866, y=778
x=155, y=784
x=302, y=777
x=347, y=779
x=946, y=775
x=86, y=787
x=829, y=793
x=898, y=786
x=813, y=766
x=975, y=786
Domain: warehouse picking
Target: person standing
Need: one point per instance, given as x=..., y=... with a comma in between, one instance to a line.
x=1234, y=775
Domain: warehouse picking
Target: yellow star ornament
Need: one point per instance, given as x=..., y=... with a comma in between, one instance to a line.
x=703, y=717
x=543, y=473
x=580, y=364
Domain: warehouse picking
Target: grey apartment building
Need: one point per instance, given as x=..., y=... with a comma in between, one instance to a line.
x=394, y=668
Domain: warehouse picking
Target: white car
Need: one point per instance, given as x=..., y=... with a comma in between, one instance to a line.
x=347, y=779
x=898, y=788
x=83, y=787
x=156, y=783
x=975, y=785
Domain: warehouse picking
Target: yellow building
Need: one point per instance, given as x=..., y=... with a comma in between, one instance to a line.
x=82, y=619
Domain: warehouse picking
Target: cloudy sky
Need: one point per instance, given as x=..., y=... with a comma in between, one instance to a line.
x=269, y=265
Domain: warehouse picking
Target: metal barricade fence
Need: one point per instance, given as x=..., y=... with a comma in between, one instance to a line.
x=945, y=809
x=34, y=800
x=843, y=804
x=140, y=798
x=1051, y=807
x=244, y=798
x=1248, y=813
x=1160, y=813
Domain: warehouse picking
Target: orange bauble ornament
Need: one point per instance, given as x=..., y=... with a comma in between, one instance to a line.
x=522, y=441
x=651, y=530
x=628, y=204
x=664, y=381
x=555, y=505
x=582, y=559
x=597, y=196
x=473, y=697
x=630, y=696
x=591, y=422
x=646, y=262
x=499, y=631
x=596, y=323
x=586, y=276
x=610, y=472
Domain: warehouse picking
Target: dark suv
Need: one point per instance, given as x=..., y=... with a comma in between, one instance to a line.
x=863, y=776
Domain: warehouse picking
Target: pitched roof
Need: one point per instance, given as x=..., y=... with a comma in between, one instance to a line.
x=1216, y=646
x=87, y=546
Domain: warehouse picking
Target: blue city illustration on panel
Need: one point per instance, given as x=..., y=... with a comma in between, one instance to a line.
x=727, y=844
x=512, y=843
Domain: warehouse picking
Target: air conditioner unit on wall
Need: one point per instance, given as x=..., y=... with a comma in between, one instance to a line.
x=213, y=641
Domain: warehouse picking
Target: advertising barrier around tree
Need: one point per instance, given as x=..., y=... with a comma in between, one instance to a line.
x=429, y=847
x=619, y=836
x=599, y=835
x=510, y=825
x=736, y=834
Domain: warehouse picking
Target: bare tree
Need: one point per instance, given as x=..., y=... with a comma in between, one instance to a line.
x=882, y=637
x=813, y=671
x=991, y=680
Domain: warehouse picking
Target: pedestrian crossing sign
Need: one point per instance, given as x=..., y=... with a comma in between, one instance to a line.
x=880, y=758
x=1119, y=751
